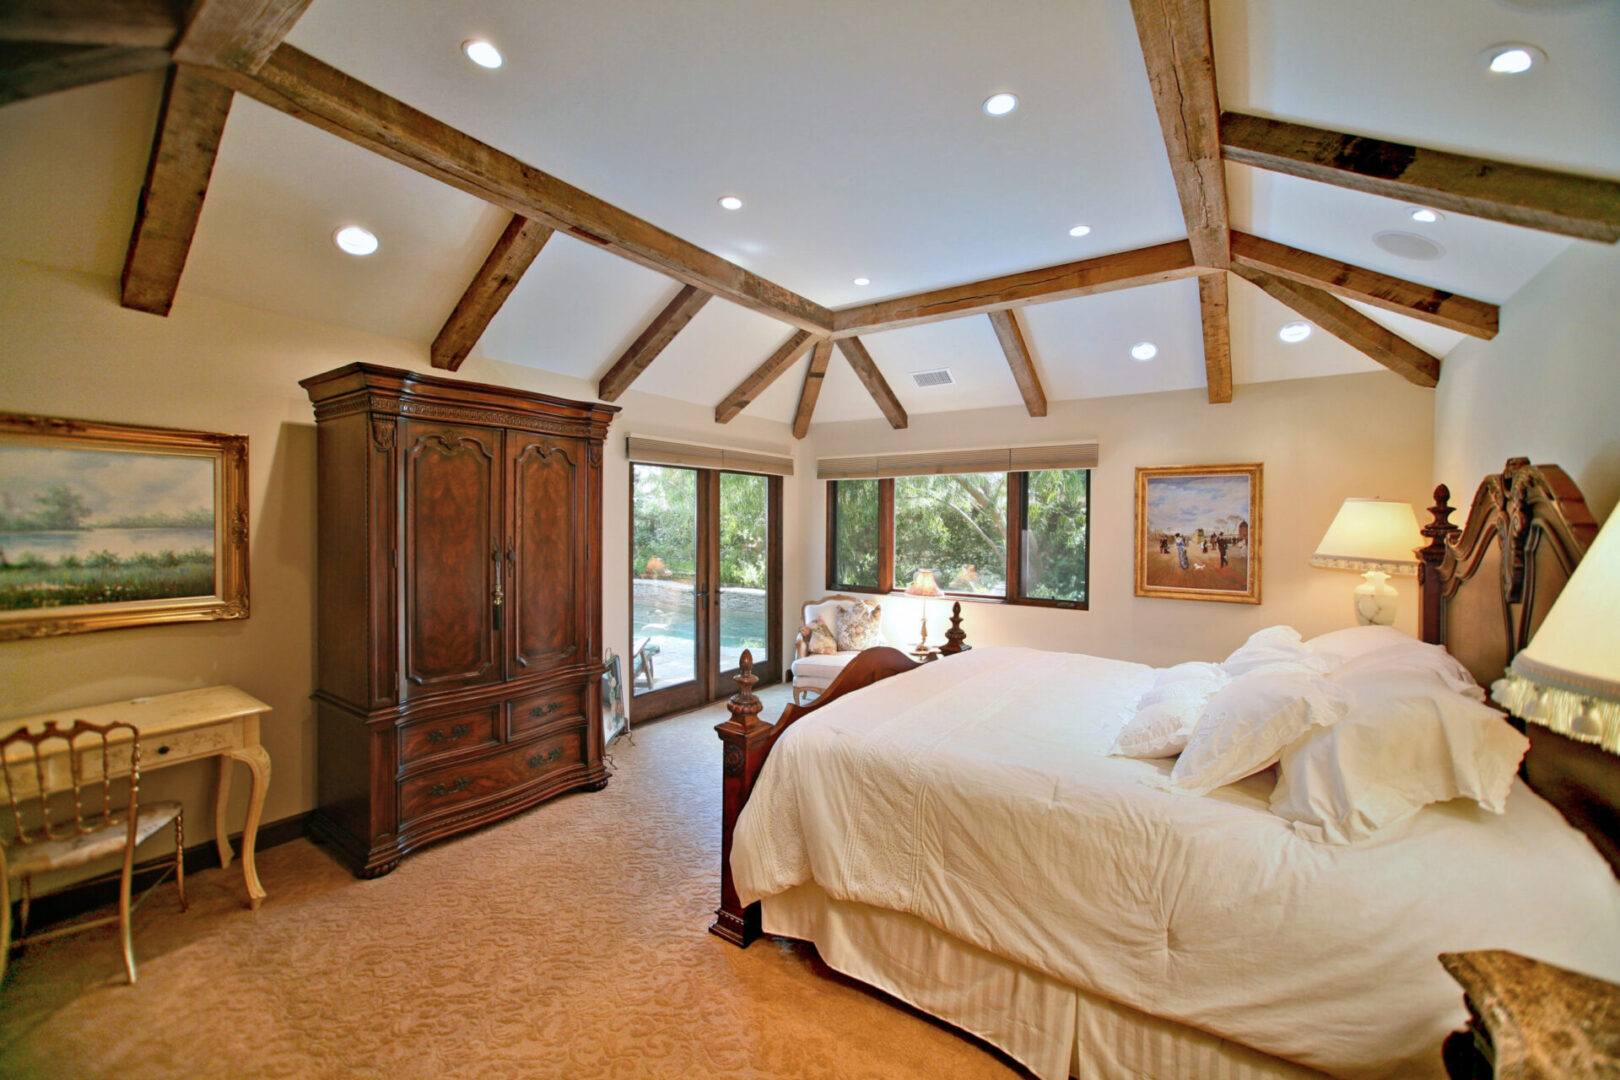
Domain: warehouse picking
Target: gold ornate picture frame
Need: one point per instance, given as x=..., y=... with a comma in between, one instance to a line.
x=1198, y=532
x=104, y=526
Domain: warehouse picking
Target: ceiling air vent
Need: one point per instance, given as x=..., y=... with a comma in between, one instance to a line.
x=937, y=377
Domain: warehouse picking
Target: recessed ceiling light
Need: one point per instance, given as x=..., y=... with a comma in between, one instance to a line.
x=1425, y=215
x=482, y=53
x=1294, y=332
x=354, y=240
x=1080, y=230
x=863, y=281
x=1512, y=58
x=1144, y=350
x=1000, y=104
x=730, y=202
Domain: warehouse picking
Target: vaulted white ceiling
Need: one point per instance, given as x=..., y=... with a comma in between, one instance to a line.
x=853, y=131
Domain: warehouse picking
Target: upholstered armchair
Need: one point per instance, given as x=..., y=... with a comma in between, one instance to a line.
x=814, y=672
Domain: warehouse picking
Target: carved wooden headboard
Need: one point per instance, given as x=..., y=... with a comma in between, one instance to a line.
x=1486, y=588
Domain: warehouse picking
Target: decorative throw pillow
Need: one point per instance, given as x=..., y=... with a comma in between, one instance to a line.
x=859, y=626
x=1412, y=658
x=1408, y=741
x=1339, y=647
x=1247, y=723
x=1167, y=713
x=1273, y=645
x=820, y=639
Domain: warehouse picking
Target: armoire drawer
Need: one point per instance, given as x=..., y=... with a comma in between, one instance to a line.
x=469, y=781
x=424, y=740
x=544, y=709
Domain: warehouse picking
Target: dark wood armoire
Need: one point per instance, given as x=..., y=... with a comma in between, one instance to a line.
x=458, y=606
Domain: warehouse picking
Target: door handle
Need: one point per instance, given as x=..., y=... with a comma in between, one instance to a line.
x=500, y=596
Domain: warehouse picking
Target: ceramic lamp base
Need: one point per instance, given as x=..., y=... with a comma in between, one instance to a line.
x=1375, y=600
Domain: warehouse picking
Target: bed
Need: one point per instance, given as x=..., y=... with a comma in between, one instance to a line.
x=960, y=839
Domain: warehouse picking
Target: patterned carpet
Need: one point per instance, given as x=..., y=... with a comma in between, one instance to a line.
x=567, y=942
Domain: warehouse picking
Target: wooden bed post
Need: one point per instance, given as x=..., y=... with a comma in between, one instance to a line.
x=746, y=739
x=955, y=635
x=1439, y=530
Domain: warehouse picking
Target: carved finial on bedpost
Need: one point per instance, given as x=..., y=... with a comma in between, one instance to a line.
x=745, y=738
x=955, y=635
x=1430, y=556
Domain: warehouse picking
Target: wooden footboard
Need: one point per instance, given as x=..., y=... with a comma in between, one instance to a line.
x=748, y=740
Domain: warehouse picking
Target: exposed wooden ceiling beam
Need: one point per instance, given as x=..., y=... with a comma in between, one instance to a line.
x=32, y=69
x=1350, y=326
x=762, y=377
x=1460, y=313
x=1011, y=336
x=238, y=34
x=653, y=340
x=1557, y=202
x=1180, y=57
x=1122, y=270
x=302, y=86
x=190, y=124
x=132, y=23
x=1217, y=337
x=503, y=268
x=814, y=376
x=873, y=380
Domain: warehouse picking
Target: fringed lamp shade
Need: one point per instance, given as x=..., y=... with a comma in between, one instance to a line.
x=1568, y=677
x=924, y=584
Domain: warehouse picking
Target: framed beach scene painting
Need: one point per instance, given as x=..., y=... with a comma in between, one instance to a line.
x=105, y=526
x=1198, y=532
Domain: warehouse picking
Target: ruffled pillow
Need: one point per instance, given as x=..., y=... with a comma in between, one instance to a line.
x=1166, y=714
x=1339, y=647
x=1247, y=723
x=859, y=626
x=818, y=639
x=1273, y=645
x=1409, y=740
x=1411, y=658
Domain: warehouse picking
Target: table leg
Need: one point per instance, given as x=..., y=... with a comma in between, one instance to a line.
x=222, y=796
x=258, y=763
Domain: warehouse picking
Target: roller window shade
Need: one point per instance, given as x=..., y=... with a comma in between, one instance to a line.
x=688, y=456
x=1081, y=455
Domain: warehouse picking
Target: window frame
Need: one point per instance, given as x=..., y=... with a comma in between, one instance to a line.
x=1016, y=519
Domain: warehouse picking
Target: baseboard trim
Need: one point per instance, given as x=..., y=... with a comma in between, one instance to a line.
x=96, y=892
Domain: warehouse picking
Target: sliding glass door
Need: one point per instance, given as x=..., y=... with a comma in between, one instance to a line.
x=705, y=584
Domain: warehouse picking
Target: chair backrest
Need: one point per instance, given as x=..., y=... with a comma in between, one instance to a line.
x=825, y=610
x=94, y=756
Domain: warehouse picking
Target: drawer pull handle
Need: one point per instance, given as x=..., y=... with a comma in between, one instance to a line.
x=163, y=749
x=457, y=732
x=459, y=784
x=546, y=709
x=545, y=759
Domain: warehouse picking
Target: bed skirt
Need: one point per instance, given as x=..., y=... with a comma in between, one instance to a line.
x=1053, y=1029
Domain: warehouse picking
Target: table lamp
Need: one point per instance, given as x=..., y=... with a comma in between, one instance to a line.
x=1378, y=538
x=1568, y=677
x=924, y=585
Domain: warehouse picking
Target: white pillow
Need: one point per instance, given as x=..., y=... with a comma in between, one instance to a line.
x=1408, y=741
x=1273, y=645
x=1166, y=714
x=1411, y=658
x=1339, y=647
x=1247, y=724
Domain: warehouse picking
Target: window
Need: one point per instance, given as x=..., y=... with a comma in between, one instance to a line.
x=1019, y=537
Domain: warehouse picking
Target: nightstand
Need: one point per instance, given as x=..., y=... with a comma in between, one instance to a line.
x=1532, y=1021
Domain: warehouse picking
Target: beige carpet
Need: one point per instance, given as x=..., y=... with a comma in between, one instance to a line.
x=567, y=942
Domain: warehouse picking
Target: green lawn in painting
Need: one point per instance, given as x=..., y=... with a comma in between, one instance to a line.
x=105, y=579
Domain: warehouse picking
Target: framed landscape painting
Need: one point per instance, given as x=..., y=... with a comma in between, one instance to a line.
x=1198, y=532
x=110, y=525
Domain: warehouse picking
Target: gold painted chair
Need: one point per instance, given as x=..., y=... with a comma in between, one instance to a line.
x=88, y=763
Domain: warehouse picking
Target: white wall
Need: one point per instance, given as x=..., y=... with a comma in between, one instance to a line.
x=1319, y=439
x=1547, y=387
x=72, y=351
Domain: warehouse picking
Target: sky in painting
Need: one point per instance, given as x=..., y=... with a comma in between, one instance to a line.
x=1185, y=504
x=114, y=484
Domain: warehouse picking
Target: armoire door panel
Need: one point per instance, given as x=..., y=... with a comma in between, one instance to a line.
x=453, y=544
x=548, y=535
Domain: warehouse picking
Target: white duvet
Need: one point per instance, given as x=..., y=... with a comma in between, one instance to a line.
x=976, y=794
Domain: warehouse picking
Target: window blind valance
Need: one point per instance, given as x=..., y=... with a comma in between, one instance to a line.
x=687, y=455
x=1077, y=455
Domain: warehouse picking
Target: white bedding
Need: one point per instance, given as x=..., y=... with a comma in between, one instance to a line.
x=974, y=794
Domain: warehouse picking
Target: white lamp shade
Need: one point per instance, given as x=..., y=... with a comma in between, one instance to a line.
x=1371, y=534
x=923, y=584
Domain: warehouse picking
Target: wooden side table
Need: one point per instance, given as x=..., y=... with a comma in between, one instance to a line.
x=1532, y=1021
